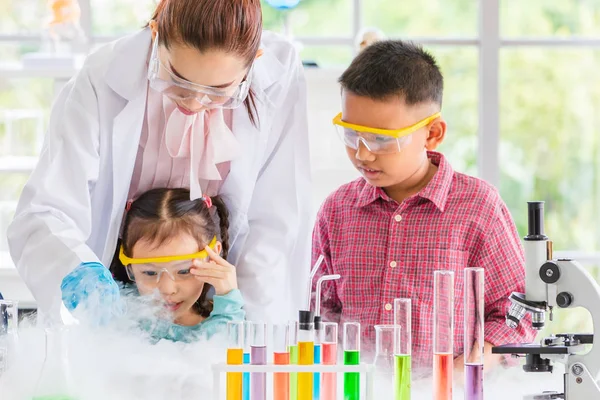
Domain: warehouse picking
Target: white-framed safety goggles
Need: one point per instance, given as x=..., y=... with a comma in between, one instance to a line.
x=163, y=80
x=378, y=141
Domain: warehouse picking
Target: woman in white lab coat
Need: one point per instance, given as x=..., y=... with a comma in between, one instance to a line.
x=201, y=98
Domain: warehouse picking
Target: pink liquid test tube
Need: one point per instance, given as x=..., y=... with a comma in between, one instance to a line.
x=258, y=356
x=281, y=356
x=329, y=356
x=474, y=332
x=443, y=334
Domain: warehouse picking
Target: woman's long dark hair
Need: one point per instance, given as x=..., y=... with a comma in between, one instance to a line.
x=162, y=214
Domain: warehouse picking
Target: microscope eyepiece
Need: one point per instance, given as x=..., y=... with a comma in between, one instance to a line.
x=535, y=221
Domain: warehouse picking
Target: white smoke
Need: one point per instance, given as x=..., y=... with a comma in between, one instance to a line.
x=121, y=363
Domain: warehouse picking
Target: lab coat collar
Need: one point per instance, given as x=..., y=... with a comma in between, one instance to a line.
x=127, y=74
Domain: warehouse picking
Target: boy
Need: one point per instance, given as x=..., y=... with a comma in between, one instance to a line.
x=410, y=214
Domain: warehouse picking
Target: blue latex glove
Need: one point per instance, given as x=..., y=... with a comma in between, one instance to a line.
x=91, y=287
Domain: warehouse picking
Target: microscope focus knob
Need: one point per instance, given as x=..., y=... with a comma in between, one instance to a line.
x=564, y=299
x=550, y=272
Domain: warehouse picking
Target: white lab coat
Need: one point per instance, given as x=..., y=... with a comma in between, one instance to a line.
x=71, y=209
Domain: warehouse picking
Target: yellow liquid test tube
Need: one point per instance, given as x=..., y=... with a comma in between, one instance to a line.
x=235, y=356
x=306, y=356
x=234, y=379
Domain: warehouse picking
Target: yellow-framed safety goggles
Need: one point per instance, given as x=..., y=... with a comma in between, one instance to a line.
x=160, y=260
x=378, y=141
x=148, y=271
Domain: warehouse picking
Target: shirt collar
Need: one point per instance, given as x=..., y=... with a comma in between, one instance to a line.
x=436, y=191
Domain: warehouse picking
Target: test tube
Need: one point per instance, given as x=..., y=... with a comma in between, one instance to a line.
x=402, y=349
x=281, y=356
x=474, y=332
x=235, y=356
x=443, y=334
x=351, y=357
x=317, y=358
x=293, y=330
x=329, y=341
x=306, y=354
x=258, y=356
x=246, y=375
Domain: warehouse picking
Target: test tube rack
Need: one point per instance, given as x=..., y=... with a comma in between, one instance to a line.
x=366, y=371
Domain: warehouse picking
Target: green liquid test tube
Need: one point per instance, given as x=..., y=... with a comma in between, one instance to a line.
x=402, y=349
x=351, y=357
x=293, y=331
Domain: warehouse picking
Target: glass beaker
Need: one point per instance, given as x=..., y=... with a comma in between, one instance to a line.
x=55, y=382
x=384, y=349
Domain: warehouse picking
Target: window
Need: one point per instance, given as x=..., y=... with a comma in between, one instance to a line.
x=119, y=17
x=433, y=18
x=550, y=142
x=556, y=18
x=316, y=18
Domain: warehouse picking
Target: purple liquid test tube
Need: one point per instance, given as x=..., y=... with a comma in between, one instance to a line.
x=258, y=356
x=474, y=332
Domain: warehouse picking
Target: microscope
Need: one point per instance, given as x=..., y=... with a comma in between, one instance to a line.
x=553, y=283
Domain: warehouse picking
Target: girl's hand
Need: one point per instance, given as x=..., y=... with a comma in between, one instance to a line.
x=218, y=272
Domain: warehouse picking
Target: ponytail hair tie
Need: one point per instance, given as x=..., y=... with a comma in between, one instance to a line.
x=208, y=201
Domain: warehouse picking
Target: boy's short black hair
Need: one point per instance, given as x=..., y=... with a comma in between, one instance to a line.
x=395, y=68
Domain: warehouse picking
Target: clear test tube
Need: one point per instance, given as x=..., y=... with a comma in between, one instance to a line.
x=443, y=334
x=329, y=344
x=474, y=332
x=351, y=357
x=293, y=346
x=258, y=356
x=281, y=356
x=235, y=356
x=402, y=349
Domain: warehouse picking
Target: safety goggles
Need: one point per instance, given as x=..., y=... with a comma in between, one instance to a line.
x=378, y=141
x=148, y=271
x=163, y=80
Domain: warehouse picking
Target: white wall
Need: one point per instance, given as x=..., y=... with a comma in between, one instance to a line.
x=329, y=164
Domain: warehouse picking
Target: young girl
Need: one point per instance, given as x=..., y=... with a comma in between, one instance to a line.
x=170, y=247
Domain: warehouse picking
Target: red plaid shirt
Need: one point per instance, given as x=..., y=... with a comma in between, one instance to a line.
x=384, y=250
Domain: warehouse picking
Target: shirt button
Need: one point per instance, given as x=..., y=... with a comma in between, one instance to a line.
x=398, y=218
x=388, y=307
x=393, y=264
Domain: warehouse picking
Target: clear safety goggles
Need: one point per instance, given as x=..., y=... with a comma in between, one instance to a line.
x=148, y=271
x=163, y=80
x=378, y=141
